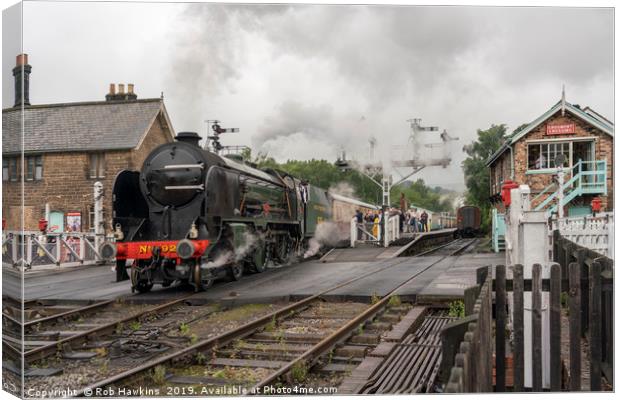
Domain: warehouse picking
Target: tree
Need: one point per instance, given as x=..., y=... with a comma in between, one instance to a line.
x=475, y=170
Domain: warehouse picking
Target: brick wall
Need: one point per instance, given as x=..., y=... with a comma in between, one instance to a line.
x=537, y=182
x=66, y=185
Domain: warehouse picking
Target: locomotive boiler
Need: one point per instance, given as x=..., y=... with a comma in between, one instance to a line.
x=193, y=216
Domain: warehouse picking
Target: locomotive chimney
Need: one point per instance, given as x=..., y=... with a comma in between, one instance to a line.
x=189, y=137
x=21, y=72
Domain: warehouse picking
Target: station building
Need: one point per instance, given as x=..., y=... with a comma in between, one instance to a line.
x=582, y=136
x=62, y=149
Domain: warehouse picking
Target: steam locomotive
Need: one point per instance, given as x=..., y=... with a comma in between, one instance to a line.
x=193, y=216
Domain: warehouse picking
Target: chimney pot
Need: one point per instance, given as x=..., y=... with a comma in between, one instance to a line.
x=121, y=88
x=130, y=88
x=21, y=59
x=112, y=88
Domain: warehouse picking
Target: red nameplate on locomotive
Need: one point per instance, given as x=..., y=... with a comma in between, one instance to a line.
x=144, y=250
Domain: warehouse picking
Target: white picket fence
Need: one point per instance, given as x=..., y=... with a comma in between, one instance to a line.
x=364, y=232
x=32, y=250
x=592, y=232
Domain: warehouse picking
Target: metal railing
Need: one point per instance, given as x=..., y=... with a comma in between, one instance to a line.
x=588, y=177
x=31, y=249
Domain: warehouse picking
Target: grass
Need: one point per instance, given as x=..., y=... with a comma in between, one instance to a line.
x=457, y=309
x=200, y=358
x=193, y=338
x=238, y=313
x=119, y=328
x=135, y=325
x=159, y=375
x=394, y=301
x=184, y=328
x=299, y=372
x=374, y=299
x=271, y=326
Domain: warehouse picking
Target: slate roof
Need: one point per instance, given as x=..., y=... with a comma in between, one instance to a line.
x=87, y=126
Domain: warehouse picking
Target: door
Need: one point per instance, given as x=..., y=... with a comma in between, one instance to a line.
x=57, y=222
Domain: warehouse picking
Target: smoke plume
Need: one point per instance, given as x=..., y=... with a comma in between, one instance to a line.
x=327, y=234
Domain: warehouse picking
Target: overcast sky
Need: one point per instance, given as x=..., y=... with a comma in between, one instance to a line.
x=304, y=81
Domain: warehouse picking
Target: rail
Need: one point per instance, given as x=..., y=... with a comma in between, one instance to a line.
x=31, y=249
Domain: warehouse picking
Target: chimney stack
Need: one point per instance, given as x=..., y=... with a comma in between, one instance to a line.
x=21, y=72
x=115, y=95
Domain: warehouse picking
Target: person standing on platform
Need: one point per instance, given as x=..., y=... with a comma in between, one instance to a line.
x=424, y=220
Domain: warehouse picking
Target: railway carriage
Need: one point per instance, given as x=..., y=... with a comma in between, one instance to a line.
x=468, y=220
x=193, y=216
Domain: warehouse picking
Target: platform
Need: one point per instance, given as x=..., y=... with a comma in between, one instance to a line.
x=435, y=280
x=369, y=252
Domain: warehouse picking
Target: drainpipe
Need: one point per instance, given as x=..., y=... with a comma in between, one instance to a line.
x=512, y=164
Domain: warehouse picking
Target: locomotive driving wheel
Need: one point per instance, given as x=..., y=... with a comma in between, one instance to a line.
x=259, y=259
x=284, y=248
x=235, y=270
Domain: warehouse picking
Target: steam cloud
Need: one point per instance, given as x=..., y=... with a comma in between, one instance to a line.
x=327, y=234
x=249, y=242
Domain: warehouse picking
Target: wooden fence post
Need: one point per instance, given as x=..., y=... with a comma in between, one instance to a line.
x=574, y=300
x=500, y=328
x=536, y=329
x=584, y=288
x=518, y=356
x=555, y=328
x=595, y=326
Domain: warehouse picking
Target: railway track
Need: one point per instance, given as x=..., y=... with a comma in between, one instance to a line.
x=145, y=345
x=214, y=354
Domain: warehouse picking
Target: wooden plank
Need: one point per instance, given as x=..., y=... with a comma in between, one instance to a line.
x=500, y=329
x=596, y=346
x=580, y=255
x=574, y=326
x=517, y=318
x=536, y=329
x=555, y=328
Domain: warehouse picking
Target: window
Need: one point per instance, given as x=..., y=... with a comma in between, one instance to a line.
x=97, y=165
x=34, y=168
x=38, y=168
x=13, y=169
x=542, y=155
x=5, y=169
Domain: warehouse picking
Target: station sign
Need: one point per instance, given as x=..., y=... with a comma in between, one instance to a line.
x=560, y=129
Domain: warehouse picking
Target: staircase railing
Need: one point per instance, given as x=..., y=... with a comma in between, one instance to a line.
x=589, y=177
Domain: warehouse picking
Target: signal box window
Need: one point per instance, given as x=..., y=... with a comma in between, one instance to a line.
x=97, y=165
x=542, y=155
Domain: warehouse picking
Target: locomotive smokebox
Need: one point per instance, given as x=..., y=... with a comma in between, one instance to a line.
x=189, y=137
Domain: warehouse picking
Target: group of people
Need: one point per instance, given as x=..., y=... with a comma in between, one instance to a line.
x=414, y=221
x=411, y=220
